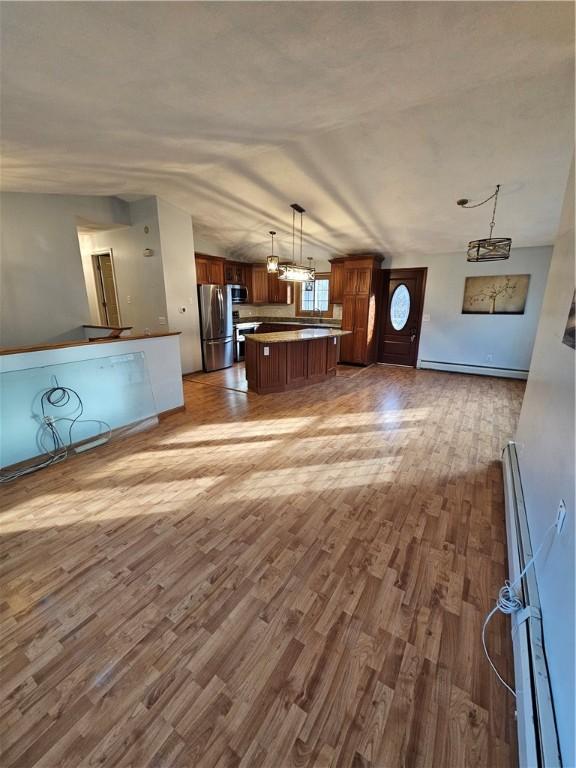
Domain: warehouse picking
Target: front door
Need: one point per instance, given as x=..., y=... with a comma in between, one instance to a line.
x=402, y=304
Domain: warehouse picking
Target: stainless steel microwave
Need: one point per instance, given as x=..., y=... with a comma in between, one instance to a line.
x=239, y=294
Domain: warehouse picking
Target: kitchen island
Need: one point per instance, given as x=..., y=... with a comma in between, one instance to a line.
x=278, y=362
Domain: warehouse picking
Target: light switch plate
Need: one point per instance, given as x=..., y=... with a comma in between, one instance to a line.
x=425, y=318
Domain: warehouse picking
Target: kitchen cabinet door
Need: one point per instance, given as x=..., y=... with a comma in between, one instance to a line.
x=231, y=273
x=350, y=280
x=347, y=342
x=259, y=285
x=279, y=291
x=216, y=272
x=360, y=335
x=202, y=275
x=363, y=280
x=336, y=282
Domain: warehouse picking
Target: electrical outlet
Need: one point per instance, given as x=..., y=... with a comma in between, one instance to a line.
x=489, y=357
x=162, y=320
x=560, y=516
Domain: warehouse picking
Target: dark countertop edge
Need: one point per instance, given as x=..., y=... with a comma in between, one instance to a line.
x=83, y=343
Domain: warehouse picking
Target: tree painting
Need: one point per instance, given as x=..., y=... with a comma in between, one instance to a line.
x=495, y=295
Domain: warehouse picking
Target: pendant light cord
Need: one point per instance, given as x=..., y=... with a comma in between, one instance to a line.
x=301, y=239
x=493, y=222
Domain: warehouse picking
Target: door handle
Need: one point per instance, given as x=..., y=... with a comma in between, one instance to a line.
x=413, y=334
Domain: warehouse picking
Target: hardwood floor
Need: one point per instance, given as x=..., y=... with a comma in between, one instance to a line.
x=267, y=581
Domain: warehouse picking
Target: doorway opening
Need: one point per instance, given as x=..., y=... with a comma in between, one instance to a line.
x=401, y=319
x=105, y=281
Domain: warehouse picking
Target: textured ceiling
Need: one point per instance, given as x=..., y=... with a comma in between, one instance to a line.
x=375, y=117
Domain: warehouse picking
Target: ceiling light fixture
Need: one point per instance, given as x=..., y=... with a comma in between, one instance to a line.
x=488, y=248
x=272, y=261
x=296, y=272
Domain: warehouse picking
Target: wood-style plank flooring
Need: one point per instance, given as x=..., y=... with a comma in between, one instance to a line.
x=294, y=580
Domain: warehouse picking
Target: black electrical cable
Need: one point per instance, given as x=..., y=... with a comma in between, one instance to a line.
x=56, y=397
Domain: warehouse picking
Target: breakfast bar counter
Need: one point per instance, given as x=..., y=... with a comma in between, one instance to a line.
x=278, y=362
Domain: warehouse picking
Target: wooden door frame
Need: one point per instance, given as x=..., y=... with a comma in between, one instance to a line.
x=99, y=283
x=398, y=274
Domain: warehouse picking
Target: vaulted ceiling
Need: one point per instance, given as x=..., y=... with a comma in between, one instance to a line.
x=375, y=116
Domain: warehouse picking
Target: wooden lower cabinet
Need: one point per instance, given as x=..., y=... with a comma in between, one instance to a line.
x=296, y=363
x=332, y=352
x=317, y=359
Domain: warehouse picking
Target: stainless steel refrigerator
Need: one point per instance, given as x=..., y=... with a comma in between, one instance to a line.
x=216, y=327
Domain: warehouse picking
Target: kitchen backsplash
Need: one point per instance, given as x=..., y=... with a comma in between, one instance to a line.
x=276, y=310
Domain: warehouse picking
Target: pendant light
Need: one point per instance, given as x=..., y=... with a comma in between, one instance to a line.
x=487, y=248
x=272, y=261
x=296, y=272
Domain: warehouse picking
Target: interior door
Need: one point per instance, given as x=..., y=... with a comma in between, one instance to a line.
x=106, y=288
x=401, y=320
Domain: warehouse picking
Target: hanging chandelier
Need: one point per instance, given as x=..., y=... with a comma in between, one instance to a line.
x=488, y=248
x=272, y=261
x=296, y=272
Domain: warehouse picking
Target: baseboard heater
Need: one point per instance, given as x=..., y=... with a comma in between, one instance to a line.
x=481, y=370
x=537, y=734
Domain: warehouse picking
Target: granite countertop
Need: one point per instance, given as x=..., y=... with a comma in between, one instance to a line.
x=304, y=335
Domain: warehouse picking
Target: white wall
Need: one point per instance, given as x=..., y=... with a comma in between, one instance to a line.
x=468, y=340
x=139, y=279
x=177, y=243
x=545, y=443
x=42, y=290
x=112, y=393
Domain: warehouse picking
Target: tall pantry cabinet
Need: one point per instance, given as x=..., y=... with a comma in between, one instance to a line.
x=360, y=307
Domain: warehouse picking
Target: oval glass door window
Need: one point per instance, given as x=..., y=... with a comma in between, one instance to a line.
x=400, y=307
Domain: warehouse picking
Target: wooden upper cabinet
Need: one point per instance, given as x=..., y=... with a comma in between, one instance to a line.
x=209, y=269
x=235, y=273
x=202, y=270
x=336, y=281
x=279, y=291
x=259, y=284
x=363, y=280
x=349, y=280
x=216, y=272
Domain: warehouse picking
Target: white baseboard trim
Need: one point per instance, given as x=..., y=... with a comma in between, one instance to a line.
x=479, y=370
x=538, y=745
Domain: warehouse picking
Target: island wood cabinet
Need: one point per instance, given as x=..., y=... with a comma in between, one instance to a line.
x=360, y=303
x=278, y=366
